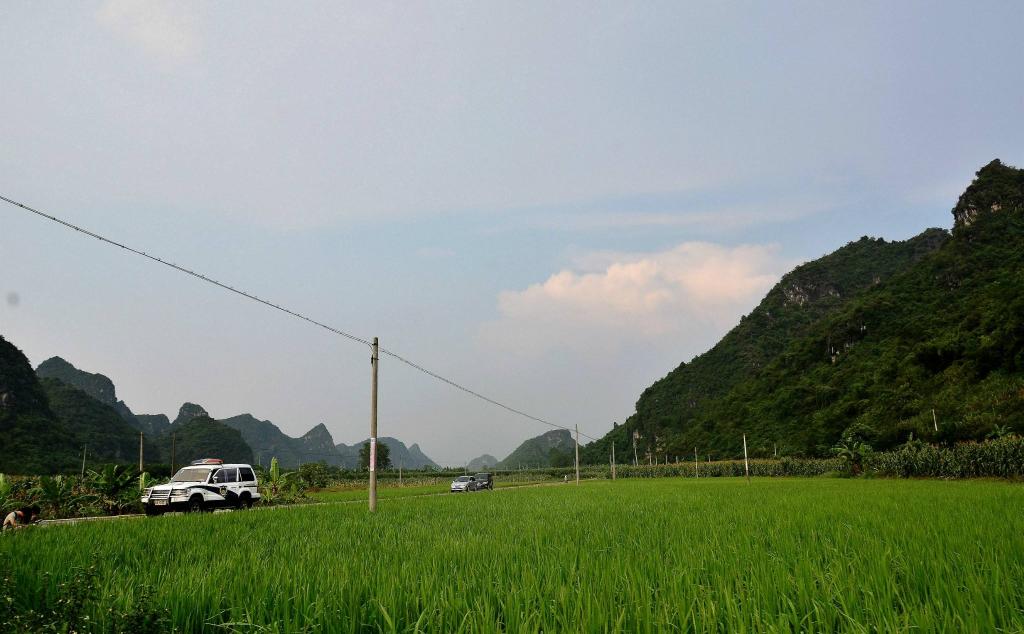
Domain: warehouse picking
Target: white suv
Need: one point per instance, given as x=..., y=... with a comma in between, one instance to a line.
x=203, y=486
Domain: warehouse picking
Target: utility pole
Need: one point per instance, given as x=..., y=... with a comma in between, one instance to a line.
x=172, y=453
x=636, y=461
x=935, y=421
x=613, y=460
x=746, y=463
x=577, y=455
x=83, y=461
x=399, y=473
x=374, y=361
x=140, y=452
x=696, y=473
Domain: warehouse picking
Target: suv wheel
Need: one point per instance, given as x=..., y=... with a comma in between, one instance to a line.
x=245, y=501
x=195, y=504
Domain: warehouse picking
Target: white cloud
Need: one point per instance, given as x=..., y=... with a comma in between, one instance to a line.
x=164, y=30
x=690, y=294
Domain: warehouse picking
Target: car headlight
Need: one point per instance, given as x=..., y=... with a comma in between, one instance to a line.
x=177, y=492
x=147, y=492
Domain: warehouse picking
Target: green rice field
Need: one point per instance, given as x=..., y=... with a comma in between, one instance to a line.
x=709, y=555
x=355, y=494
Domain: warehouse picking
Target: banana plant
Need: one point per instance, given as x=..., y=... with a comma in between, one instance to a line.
x=109, y=485
x=276, y=483
x=57, y=495
x=852, y=452
x=145, y=480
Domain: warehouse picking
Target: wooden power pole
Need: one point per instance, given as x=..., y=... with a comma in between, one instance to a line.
x=746, y=463
x=374, y=361
x=613, y=460
x=83, y=461
x=140, y=452
x=577, y=454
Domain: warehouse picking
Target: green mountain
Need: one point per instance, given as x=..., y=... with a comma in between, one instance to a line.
x=186, y=413
x=555, y=448
x=866, y=341
x=317, y=445
x=98, y=427
x=410, y=457
x=97, y=386
x=203, y=437
x=153, y=424
x=267, y=441
x=481, y=463
x=101, y=389
x=32, y=438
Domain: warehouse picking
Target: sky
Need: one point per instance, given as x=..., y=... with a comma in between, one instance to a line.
x=551, y=203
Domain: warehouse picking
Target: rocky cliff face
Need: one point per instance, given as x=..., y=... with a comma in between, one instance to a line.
x=996, y=188
x=187, y=412
x=317, y=445
x=98, y=386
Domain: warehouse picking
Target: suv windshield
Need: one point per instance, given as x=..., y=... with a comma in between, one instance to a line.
x=192, y=474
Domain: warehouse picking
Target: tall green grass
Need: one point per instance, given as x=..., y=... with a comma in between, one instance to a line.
x=710, y=555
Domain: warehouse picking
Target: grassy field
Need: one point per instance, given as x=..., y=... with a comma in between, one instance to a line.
x=715, y=555
x=353, y=494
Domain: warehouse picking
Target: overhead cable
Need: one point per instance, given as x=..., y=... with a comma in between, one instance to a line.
x=270, y=304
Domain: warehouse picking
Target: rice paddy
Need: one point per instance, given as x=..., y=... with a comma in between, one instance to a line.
x=709, y=555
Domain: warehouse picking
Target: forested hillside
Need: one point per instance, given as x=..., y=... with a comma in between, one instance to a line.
x=865, y=342
x=96, y=426
x=203, y=437
x=555, y=448
x=32, y=438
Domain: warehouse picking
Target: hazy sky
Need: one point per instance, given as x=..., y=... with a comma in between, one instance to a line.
x=553, y=203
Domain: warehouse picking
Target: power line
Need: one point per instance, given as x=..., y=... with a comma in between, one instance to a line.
x=182, y=269
x=473, y=393
x=270, y=304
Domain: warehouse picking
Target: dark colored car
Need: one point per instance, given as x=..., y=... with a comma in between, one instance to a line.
x=484, y=481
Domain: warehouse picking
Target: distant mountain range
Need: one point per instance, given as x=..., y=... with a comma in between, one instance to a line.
x=48, y=417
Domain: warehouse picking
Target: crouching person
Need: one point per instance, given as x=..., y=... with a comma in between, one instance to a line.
x=21, y=517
